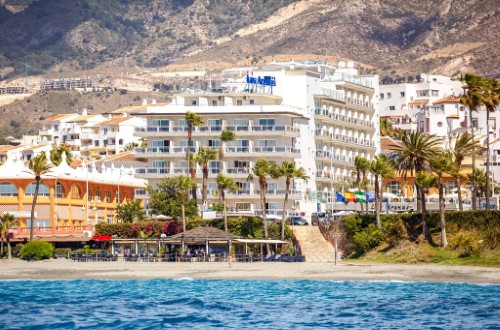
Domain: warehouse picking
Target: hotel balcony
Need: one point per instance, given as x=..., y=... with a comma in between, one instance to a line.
x=260, y=151
x=74, y=142
x=158, y=172
x=163, y=151
x=43, y=132
x=359, y=105
x=265, y=130
x=344, y=120
x=347, y=141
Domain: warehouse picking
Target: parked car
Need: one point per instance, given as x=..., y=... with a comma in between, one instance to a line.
x=296, y=220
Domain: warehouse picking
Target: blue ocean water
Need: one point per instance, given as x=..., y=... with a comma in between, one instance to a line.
x=246, y=304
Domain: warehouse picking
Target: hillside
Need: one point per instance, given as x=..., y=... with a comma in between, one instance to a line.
x=395, y=37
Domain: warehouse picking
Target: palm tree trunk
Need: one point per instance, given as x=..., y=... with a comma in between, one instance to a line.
x=183, y=213
x=225, y=210
x=284, y=209
x=1, y=243
x=377, y=203
x=474, y=185
x=205, y=185
x=9, y=253
x=190, y=165
x=33, y=205
x=459, y=192
x=487, y=190
x=442, y=223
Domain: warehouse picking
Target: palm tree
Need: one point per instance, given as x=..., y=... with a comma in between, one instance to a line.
x=412, y=152
x=184, y=185
x=491, y=98
x=38, y=166
x=424, y=181
x=385, y=127
x=380, y=167
x=204, y=156
x=441, y=165
x=288, y=171
x=225, y=183
x=362, y=166
x=8, y=221
x=192, y=120
x=479, y=177
x=57, y=151
x=465, y=146
x=262, y=170
x=225, y=136
x=473, y=100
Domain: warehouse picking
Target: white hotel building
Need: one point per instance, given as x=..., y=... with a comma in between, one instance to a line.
x=317, y=115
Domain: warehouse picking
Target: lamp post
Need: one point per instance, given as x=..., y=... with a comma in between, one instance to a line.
x=122, y=173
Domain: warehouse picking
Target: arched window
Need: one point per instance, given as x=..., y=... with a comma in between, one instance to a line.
x=43, y=190
x=108, y=195
x=7, y=189
x=75, y=192
x=394, y=187
x=60, y=190
x=120, y=142
x=98, y=192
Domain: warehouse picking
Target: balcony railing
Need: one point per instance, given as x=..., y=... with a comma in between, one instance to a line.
x=346, y=119
x=164, y=150
x=344, y=138
x=262, y=150
x=203, y=129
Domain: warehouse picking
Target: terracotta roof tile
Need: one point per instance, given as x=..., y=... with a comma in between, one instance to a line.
x=448, y=99
x=58, y=117
x=115, y=121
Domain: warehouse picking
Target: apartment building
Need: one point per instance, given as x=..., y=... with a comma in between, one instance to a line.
x=315, y=114
x=400, y=103
x=91, y=136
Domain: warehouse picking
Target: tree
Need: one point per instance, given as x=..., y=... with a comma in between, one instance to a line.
x=225, y=183
x=380, y=168
x=225, y=136
x=289, y=172
x=192, y=121
x=130, y=212
x=130, y=146
x=479, y=177
x=204, y=156
x=163, y=199
x=440, y=165
x=385, y=127
x=8, y=221
x=473, y=100
x=184, y=185
x=412, y=152
x=424, y=181
x=465, y=146
x=362, y=166
x=57, y=151
x=262, y=170
x=38, y=166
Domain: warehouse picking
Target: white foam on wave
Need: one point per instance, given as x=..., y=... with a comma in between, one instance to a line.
x=184, y=279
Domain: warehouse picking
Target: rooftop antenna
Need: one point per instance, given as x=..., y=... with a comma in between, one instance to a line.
x=26, y=66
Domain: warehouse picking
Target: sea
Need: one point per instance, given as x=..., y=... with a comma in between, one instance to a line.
x=246, y=304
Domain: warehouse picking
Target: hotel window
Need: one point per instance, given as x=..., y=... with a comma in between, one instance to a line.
x=214, y=144
x=213, y=166
x=7, y=189
x=160, y=122
x=267, y=121
x=392, y=107
x=475, y=122
x=214, y=103
x=381, y=96
x=394, y=187
x=194, y=102
x=243, y=206
x=239, y=102
x=434, y=93
x=109, y=219
x=43, y=190
x=402, y=94
x=242, y=145
x=215, y=124
x=423, y=93
x=251, y=101
x=212, y=189
x=160, y=143
x=108, y=195
x=267, y=145
x=389, y=95
x=272, y=187
x=244, y=187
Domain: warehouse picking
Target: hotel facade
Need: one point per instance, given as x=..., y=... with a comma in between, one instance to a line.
x=319, y=116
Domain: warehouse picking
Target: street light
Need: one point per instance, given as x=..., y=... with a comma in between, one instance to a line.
x=122, y=173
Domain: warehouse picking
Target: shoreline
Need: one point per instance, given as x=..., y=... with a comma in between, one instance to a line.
x=62, y=269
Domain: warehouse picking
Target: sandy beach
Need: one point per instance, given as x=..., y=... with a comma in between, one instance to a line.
x=60, y=269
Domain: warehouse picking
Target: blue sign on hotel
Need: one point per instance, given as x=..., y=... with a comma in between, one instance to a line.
x=265, y=81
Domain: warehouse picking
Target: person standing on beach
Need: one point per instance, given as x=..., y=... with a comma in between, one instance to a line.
x=229, y=259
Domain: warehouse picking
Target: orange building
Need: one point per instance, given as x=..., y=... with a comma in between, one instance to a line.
x=71, y=201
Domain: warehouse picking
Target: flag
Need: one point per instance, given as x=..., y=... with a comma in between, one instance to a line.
x=370, y=196
x=340, y=198
x=360, y=196
x=350, y=197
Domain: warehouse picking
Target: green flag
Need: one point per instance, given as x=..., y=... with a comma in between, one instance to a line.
x=360, y=196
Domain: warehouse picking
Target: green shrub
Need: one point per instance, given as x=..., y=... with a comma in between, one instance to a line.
x=367, y=239
x=465, y=243
x=85, y=250
x=395, y=232
x=62, y=252
x=16, y=250
x=37, y=250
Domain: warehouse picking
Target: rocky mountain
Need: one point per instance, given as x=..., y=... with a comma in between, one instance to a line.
x=396, y=37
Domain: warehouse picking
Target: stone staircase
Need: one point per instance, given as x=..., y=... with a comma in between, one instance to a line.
x=313, y=244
